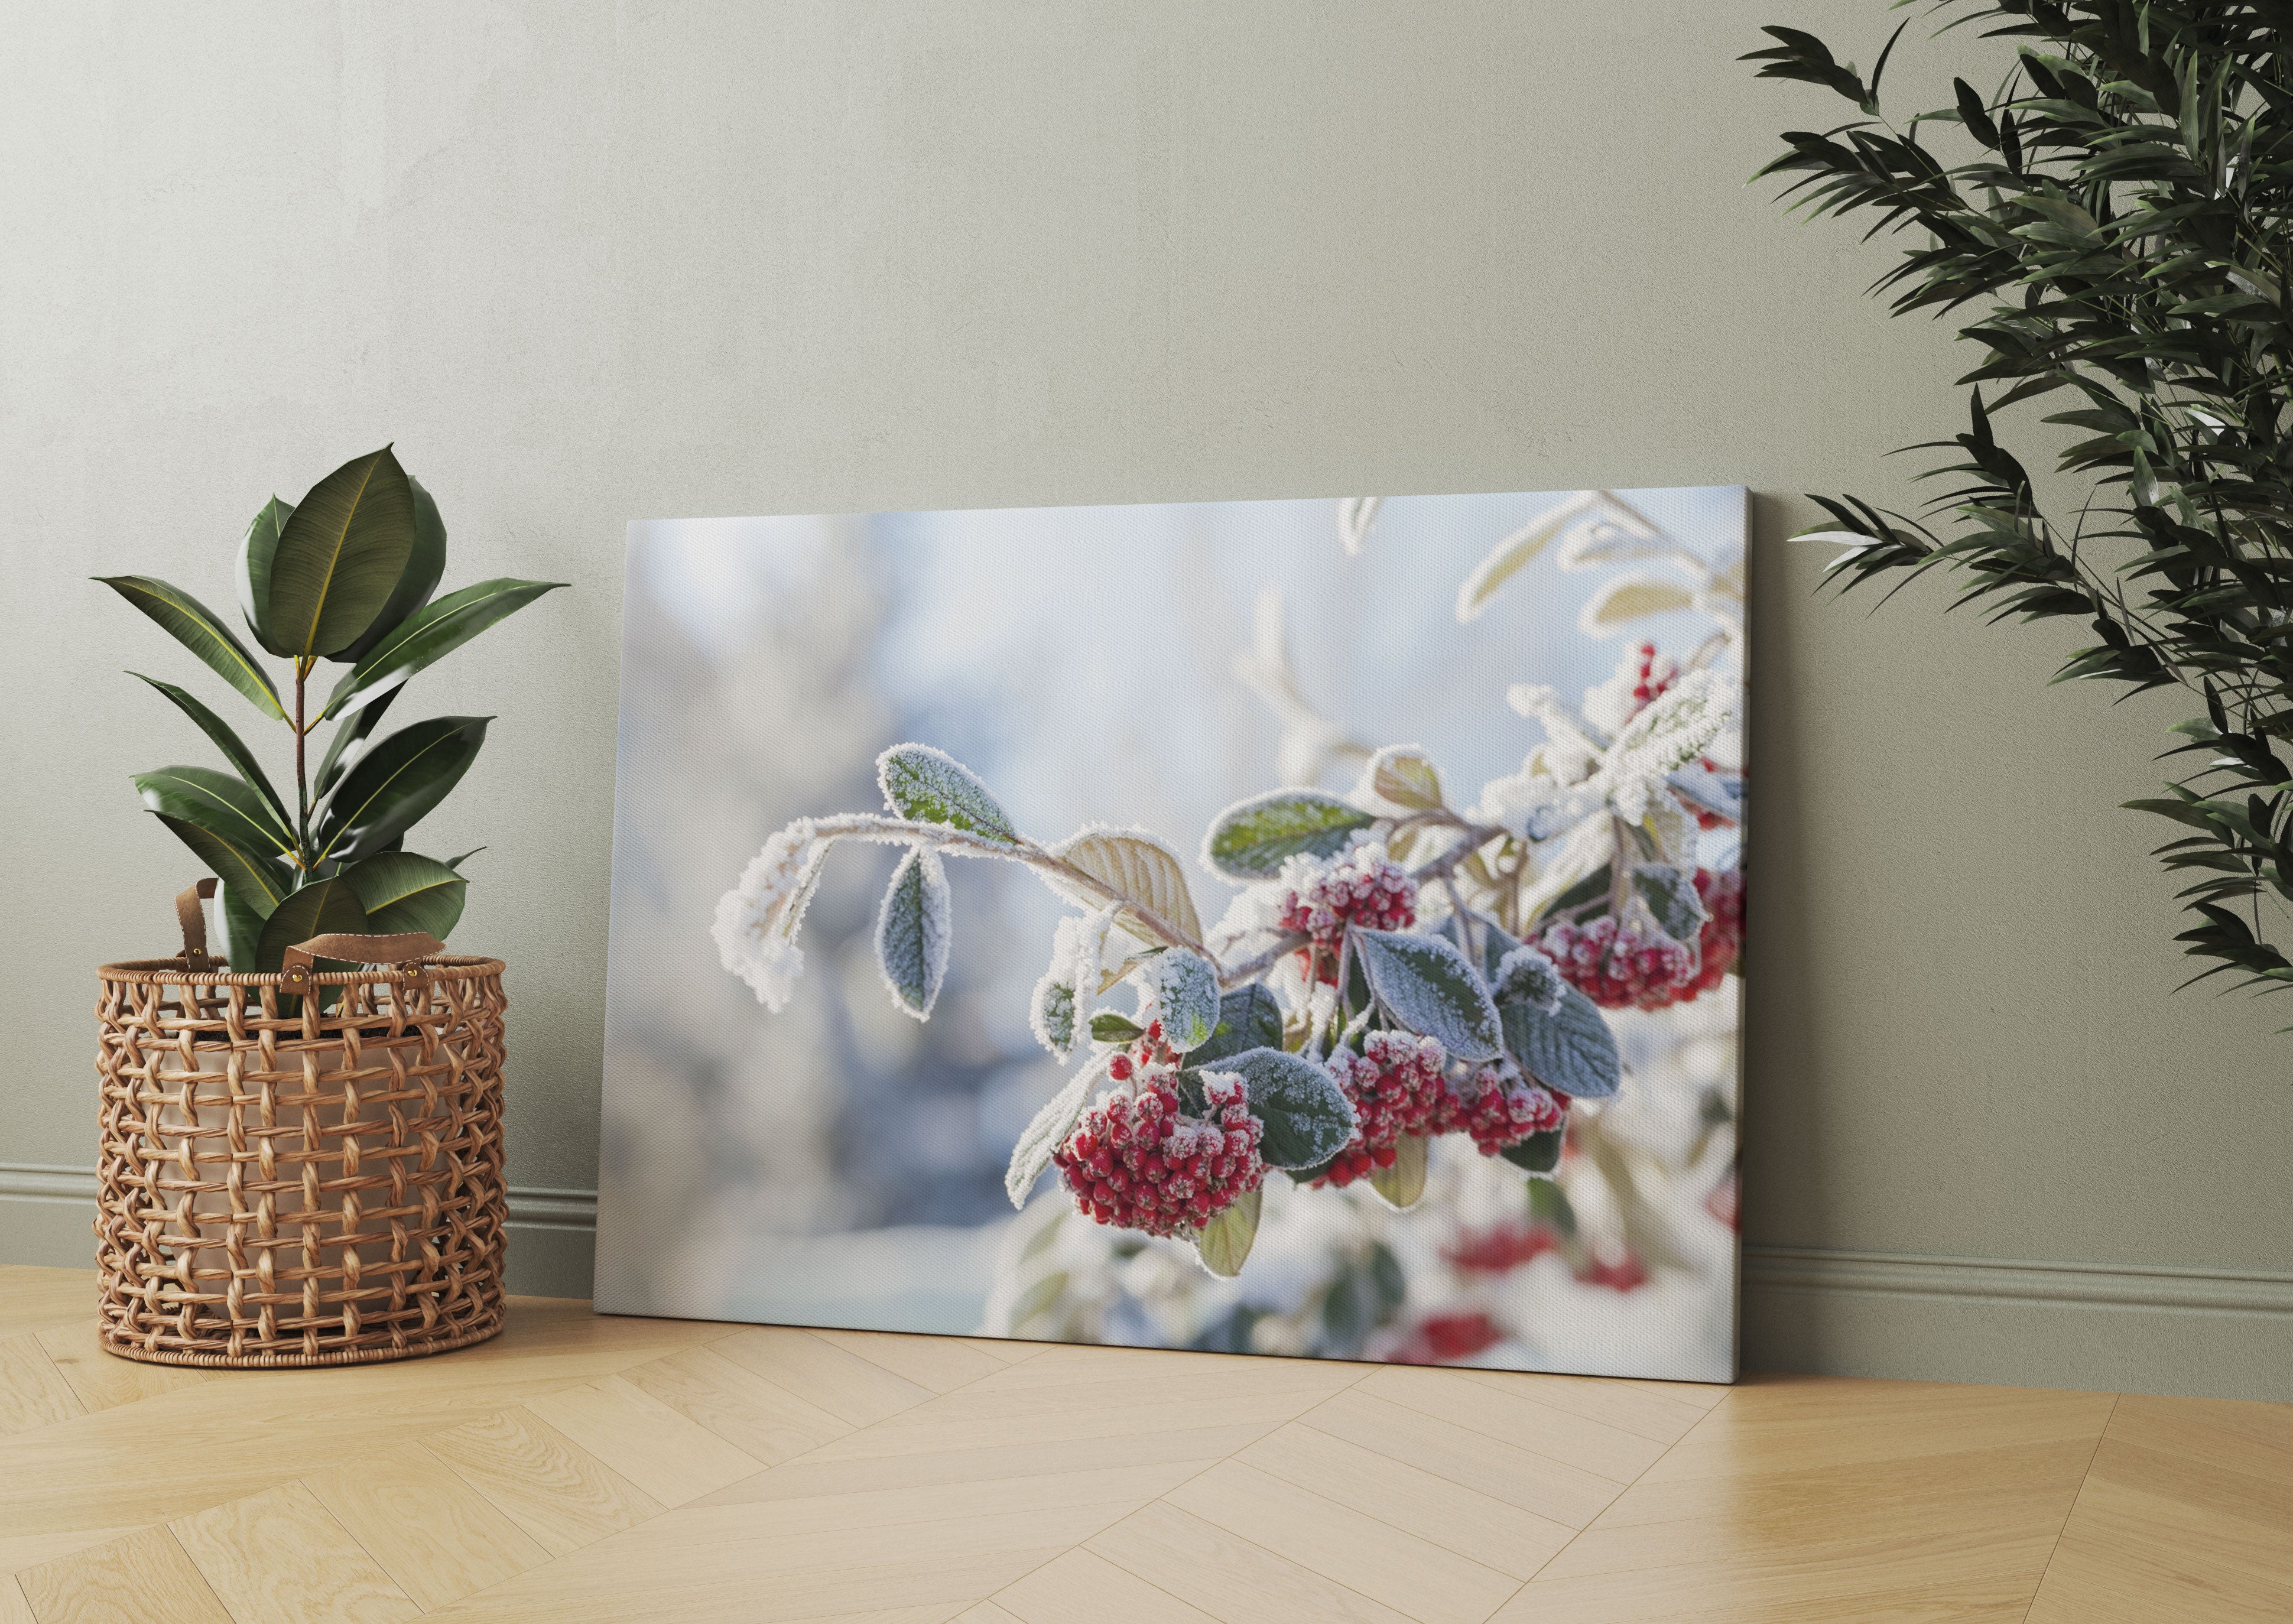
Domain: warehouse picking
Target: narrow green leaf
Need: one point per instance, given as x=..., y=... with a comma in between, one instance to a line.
x=425, y=564
x=1250, y=840
x=217, y=801
x=427, y=635
x=340, y=557
x=260, y=880
x=196, y=627
x=233, y=748
x=1224, y=1242
x=402, y=891
x=350, y=742
x=930, y=787
x=396, y=784
x=256, y=549
x=322, y=908
x=913, y=933
x=1108, y=1027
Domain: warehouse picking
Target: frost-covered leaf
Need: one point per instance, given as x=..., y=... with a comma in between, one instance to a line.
x=1048, y=1131
x=1721, y=794
x=1185, y=991
x=1537, y=1154
x=1564, y=870
x=1052, y=1014
x=930, y=787
x=1674, y=731
x=1428, y=985
x=1401, y=775
x=1108, y=1027
x=1355, y=515
x=1670, y=893
x=1513, y=554
x=1225, y=1240
x=1400, y=1185
x=1249, y=1017
x=1628, y=598
x=1571, y=1049
x=912, y=933
x=1525, y=974
x=1251, y=839
x=1135, y=866
x=1306, y=1117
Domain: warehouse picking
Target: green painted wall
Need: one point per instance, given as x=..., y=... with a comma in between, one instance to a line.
x=586, y=262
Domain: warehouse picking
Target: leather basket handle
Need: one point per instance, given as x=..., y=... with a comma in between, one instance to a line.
x=193, y=920
x=297, y=963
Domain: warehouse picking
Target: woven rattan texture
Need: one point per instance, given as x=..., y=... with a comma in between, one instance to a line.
x=287, y=1184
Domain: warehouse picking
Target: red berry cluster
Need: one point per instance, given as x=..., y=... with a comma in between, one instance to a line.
x=1649, y=683
x=1502, y=1249
x=1625, y=1273
x=1505, y=1110
x=1615, y=966
x=1717, y=944
x=1363, y=887
x=1148, y=1050
x=1137, y=1163
x=1444, y=1339
x=1396, y=1087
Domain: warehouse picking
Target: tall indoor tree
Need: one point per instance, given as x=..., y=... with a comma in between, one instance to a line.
x=2110, y=221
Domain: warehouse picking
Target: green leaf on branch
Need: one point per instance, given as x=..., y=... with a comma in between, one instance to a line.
x=1671, y=895
x=242, y=927
x=1539, y=1154
x=259, y=878
x=256, y=549
x=1048, y=1131
x=1429, y=987
x=196, y=627
x=1305, y=1113
x=402, y=891
x=914, y=933
x=426, y=635
x=1401, y=1185
x=349, y=743
x=218, y=801
x=1224, y=1242
x=396, y=784
x=1108, y=1027
x=1571, y=1050
x=1249, y=1017
x=227, y=741
x=340, y=557
x=1251, y=839
x=1186, y=996
x=929, y=786
x=426, y=562
x=324, y=907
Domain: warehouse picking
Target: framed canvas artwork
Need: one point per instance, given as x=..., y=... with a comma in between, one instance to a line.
x=1305, y=927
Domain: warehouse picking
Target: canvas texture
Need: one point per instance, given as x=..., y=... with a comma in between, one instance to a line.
x=1298, y=928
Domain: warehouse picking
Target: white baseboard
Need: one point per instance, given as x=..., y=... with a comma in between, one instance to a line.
x=2217, y=1333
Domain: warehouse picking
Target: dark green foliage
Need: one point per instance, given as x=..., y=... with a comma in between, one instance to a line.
x=2110, y=224
x=347, y=574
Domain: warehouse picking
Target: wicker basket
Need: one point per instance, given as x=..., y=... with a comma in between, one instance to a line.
x=293, y=1176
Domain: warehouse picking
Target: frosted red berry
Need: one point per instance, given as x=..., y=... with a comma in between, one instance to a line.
x=1720, y=940
x=1501, y=1249
x=1138, y=1162
x=1615, y=966
x=1499, y=1108
x=1395, y=1087
x=1364, y=887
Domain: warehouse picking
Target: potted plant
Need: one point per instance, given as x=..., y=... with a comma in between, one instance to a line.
x=346, y=576
x=302, y=1155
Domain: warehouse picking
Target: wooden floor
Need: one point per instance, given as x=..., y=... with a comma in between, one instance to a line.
x=582, y=1469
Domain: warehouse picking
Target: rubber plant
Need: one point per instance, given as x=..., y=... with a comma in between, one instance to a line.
x=346, y=576
x=2110, y=221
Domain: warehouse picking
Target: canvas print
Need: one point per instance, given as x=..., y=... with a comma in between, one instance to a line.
x=1306, y=928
